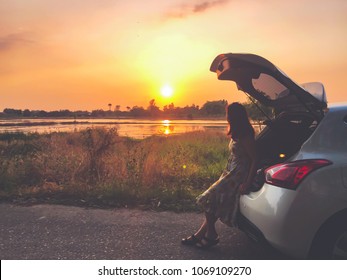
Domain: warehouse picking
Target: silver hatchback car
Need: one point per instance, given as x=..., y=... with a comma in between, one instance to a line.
x=299, y=201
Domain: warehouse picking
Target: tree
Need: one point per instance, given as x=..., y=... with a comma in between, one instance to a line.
x=12, y=112
x=214, y=107
x=26, y=113
x=98, y=113
x=109, y=106
x=153, y=109
x=169, y=109
x=138, y=111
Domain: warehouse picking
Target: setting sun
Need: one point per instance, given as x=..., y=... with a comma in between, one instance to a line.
x=166, y=91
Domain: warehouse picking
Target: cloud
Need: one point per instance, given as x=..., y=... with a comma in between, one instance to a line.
x=185, y=10
x=14, y=40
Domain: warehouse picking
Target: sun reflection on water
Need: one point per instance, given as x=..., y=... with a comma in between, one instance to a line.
x=167, y=128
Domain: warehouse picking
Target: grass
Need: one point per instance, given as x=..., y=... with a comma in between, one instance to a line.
x=97, y=168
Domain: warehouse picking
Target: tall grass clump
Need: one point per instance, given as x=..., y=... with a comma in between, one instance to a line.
x=97, y=167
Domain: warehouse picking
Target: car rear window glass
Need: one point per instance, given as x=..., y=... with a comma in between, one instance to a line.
x=269, y=87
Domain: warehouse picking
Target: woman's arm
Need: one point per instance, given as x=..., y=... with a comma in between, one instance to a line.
x=248, y=144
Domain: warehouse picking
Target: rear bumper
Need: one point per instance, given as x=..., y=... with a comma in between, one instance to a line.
x=250, y=229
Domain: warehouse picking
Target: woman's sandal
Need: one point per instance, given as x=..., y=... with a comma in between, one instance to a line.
x=191, y=240
x=205, y=243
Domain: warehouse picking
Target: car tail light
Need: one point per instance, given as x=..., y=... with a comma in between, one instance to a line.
x=289, y=175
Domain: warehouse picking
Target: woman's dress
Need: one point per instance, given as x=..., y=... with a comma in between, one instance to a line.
x=222, y=197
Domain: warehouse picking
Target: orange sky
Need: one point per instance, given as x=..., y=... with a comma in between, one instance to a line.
x=85, y=54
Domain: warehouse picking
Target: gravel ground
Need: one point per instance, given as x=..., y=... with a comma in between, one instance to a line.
x=65, y=232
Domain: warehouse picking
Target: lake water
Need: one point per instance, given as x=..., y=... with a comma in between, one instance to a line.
x=134, y=128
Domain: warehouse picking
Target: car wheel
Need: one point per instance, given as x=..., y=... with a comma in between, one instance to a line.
x=331, y=241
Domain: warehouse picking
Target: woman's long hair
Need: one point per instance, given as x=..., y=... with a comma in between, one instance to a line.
x=239, y=125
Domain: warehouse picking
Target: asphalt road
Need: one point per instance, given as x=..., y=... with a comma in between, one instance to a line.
x=66, y=232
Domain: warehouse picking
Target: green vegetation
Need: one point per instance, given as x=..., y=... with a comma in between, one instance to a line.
x=98, y=168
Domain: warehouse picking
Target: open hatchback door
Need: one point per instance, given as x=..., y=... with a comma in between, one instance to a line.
x=266, y=83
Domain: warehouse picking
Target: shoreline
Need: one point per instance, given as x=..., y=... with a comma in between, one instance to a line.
x=172, y=118
x=123, y=121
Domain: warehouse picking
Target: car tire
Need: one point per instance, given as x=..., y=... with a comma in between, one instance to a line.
x=331, y=240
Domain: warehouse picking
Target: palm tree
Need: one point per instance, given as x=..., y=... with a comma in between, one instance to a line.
x=109, y=106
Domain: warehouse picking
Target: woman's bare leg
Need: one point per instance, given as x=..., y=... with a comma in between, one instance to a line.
x=207, y=229
x=211, y=232
x=202, y=230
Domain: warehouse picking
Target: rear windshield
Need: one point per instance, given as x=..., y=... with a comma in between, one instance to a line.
x=269, y=87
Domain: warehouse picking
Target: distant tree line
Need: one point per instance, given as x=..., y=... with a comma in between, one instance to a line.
x=209, y=109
